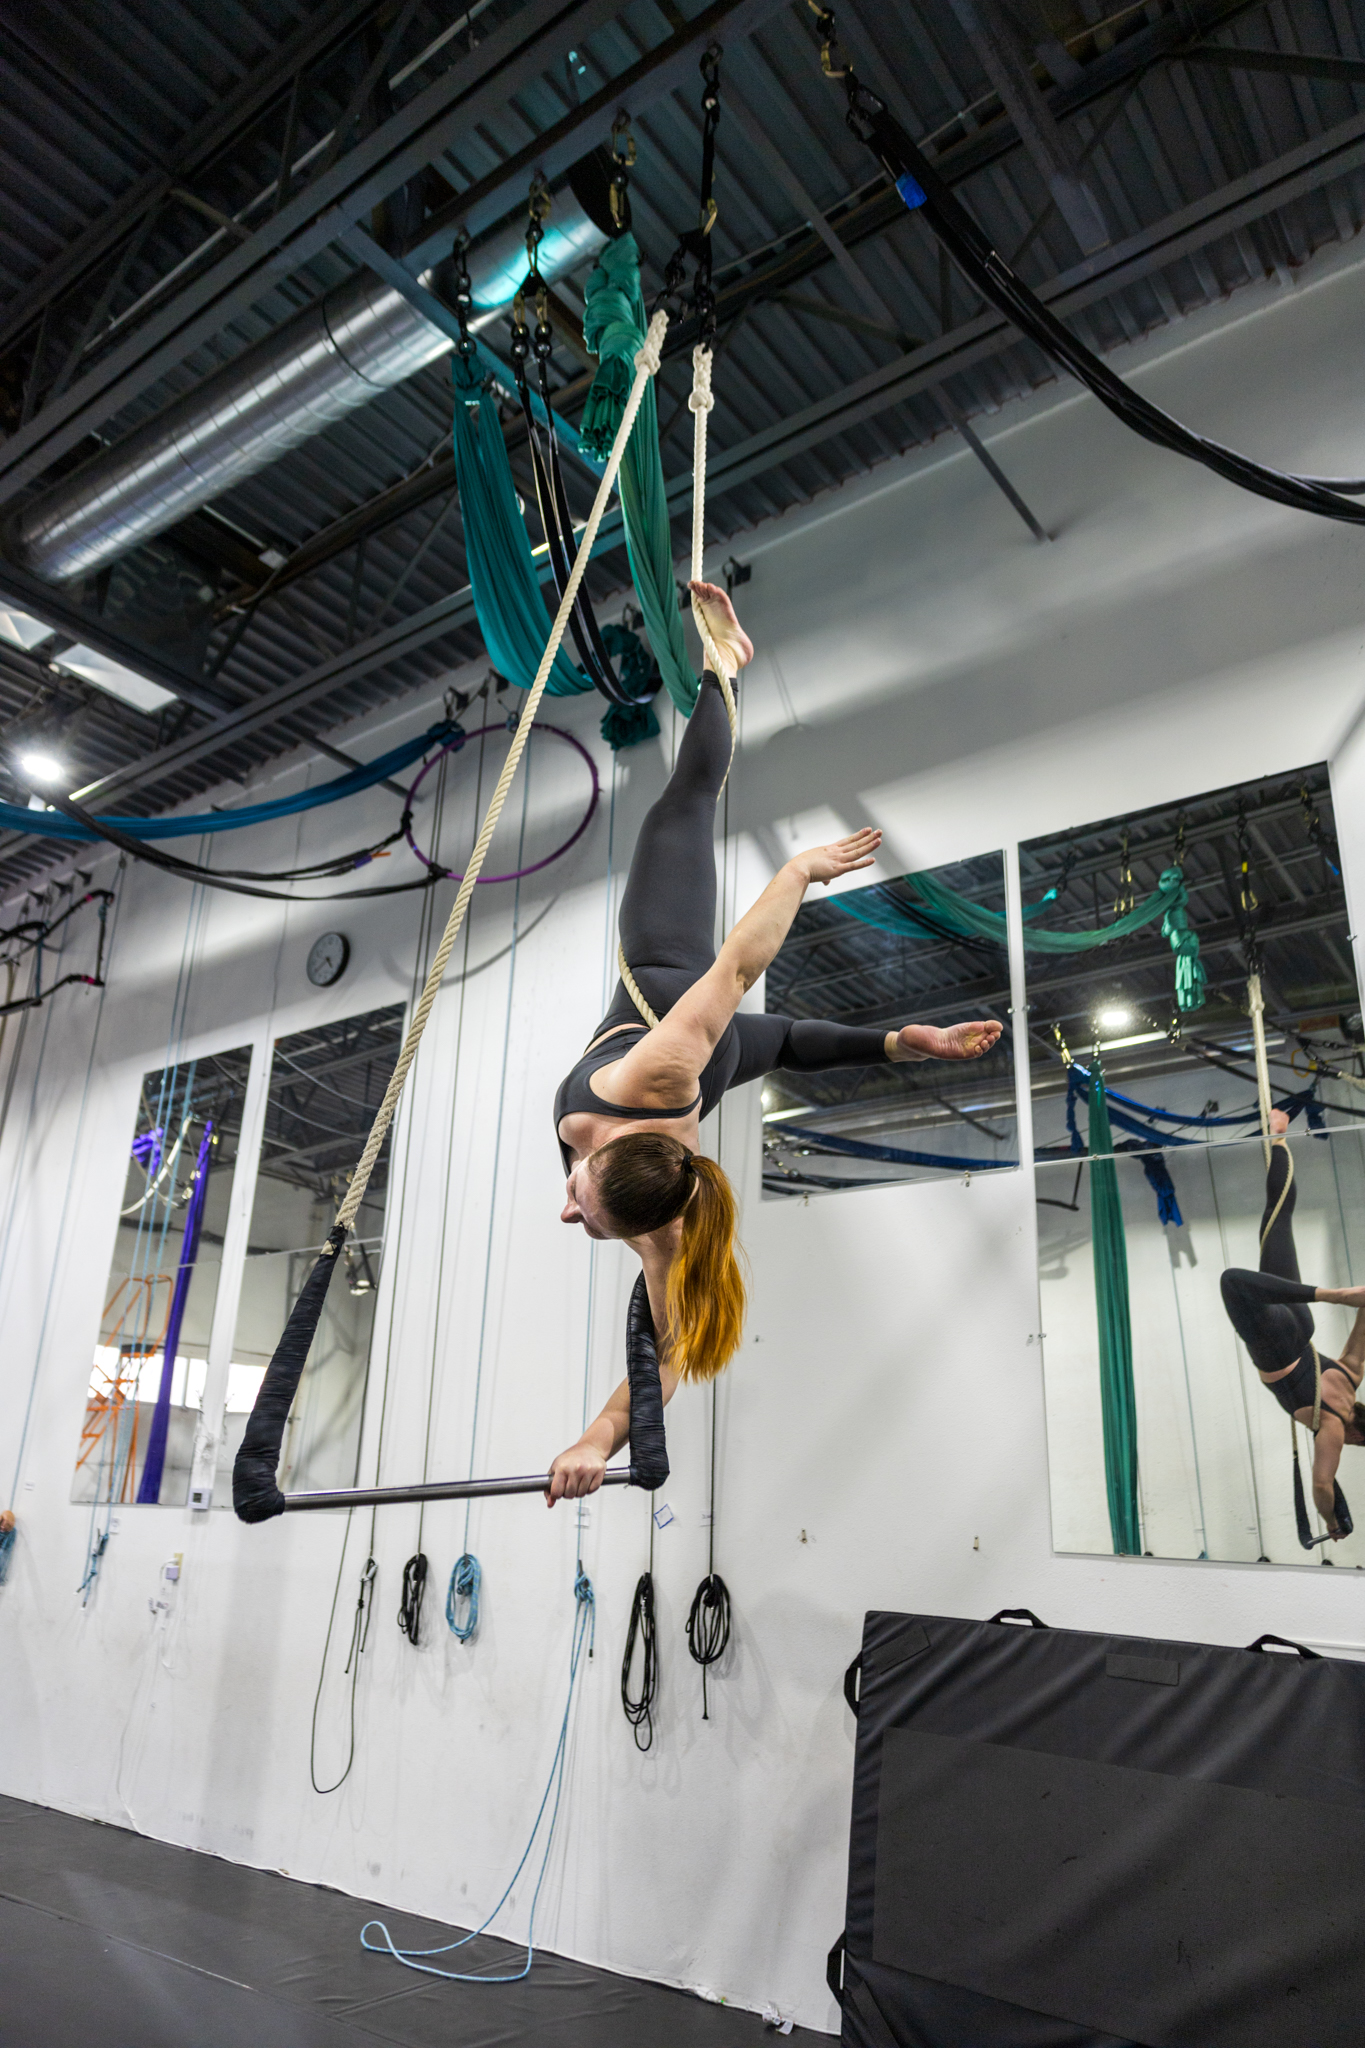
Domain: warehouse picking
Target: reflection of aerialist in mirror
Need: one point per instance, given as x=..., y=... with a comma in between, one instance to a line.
x=628, y=1115
x=1269, y=1312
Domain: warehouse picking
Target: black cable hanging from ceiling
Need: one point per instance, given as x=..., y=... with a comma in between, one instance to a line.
x=923, y=191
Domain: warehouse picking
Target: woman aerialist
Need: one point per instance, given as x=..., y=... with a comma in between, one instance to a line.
x=1269, y=1312
x=628, y=1115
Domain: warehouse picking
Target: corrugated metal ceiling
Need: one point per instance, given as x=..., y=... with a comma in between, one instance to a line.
x=99, y=103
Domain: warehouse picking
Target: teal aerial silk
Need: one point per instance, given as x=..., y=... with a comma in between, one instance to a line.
x=946, y=910
x=1118, y=1404
x=614, y=323
x=507, y=594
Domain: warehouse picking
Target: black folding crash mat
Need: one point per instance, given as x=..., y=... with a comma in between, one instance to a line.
x=1083, y=1841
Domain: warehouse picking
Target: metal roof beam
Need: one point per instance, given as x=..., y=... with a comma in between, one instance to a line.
x=1299, y=171
x=253, y=94
x=475, y=88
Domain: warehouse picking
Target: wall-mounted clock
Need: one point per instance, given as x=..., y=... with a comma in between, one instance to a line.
x=327, y=959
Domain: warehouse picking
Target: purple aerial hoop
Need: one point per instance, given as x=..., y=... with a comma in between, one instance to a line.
x=454, y=747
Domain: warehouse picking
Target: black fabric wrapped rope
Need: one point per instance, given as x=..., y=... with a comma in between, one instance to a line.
x=255, y=1493
x=648, y=1444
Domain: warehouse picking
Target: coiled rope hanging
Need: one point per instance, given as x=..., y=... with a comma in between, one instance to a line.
x=410, y=1605
x=256, y=1495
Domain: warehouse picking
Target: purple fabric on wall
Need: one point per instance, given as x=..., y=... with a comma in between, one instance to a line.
x=149, y=1491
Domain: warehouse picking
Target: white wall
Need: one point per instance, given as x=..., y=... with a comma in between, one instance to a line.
x=882, y=1438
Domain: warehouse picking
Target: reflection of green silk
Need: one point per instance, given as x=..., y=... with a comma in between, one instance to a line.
x=951, y=912
x=1118, y=1405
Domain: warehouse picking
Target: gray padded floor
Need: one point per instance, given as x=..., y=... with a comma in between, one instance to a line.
x=116, y=1941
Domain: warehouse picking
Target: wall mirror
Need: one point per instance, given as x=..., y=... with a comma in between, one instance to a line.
x=325, y=1085
x=928, y=948
x=1150, y=942
x=151, y=1354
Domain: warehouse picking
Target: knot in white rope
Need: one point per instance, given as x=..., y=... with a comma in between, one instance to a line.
x=702, y=399
x=649, y=355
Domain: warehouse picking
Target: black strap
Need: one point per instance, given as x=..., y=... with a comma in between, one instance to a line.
x=834, y=1969
x=255, y=1494
x=212, y=878
x=648, y=1444
x=851, y=1692
x=1284, y=1643
x=1019, y=1614
x=925, y=191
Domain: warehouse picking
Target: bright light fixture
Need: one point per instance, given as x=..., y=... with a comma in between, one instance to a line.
x=125, y=683
x=1114, y=1018
x=42, y=767
x=20, y=630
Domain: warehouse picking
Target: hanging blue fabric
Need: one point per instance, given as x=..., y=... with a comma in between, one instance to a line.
x=6, y=1550
x=149, y=1490
x=52, y=824
x=857, y=1148
x=1158, y=1180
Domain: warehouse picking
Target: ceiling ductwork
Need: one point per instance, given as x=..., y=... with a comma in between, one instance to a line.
x=328, y=361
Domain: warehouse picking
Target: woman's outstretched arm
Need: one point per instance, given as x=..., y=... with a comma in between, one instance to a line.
x=672, y=1057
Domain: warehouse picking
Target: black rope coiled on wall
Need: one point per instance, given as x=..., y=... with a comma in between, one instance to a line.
x=639, y=1711
x=708, y=1627
x=410, y=1605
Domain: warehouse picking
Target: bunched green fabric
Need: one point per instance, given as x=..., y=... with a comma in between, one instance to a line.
x=614, y=323
x=1118, y=1403
x=507, y=595
x=949, y=910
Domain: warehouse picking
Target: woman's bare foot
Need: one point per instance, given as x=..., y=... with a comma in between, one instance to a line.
x=721, y=623
x=1342, y=1297
x=1279, y=1124
x=955, y=1042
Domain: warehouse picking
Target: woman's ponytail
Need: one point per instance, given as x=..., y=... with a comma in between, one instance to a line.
x=706, y=1299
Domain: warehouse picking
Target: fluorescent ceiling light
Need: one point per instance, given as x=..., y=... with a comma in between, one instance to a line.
x=125, y=683
x=20, y=630
x=42, y=767
x=1114, y=1018
x=1138, y=1038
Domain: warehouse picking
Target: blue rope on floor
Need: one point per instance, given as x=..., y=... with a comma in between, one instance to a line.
x=584, y=1631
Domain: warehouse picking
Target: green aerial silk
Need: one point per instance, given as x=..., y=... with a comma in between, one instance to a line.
x=947, y=910
x=614, y=323
x=507, y=593
x=1118, y=1404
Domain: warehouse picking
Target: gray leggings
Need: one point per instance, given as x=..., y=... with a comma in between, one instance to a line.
x=668, y=921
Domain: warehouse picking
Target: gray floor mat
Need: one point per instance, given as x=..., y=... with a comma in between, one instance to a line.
x=124, y=1942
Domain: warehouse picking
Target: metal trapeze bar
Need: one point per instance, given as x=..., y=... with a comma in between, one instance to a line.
x=436, y=1489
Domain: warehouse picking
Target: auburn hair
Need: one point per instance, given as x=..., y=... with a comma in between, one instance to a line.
x=646, y=1181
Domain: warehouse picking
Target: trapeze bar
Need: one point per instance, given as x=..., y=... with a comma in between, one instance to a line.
x=436, y=1489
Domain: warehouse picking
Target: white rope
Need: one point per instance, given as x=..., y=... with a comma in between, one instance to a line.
x=646, y=365
x=1256, y=1006
x=700, y=405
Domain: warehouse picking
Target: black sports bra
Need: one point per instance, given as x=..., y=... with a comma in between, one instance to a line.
x=576, y=1092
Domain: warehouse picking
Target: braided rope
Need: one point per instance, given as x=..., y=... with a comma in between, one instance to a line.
x=632, y=989
x=646, y=365
x=700, y=405
x=1284, y=1191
